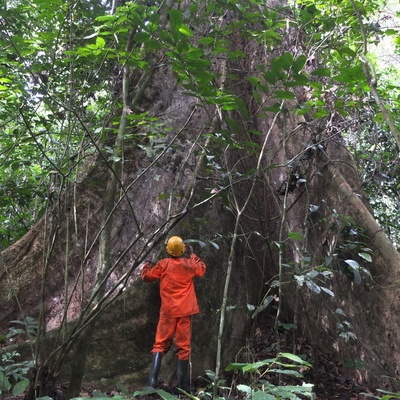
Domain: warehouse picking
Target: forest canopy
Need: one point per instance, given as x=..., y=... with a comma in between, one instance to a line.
x=61, y=72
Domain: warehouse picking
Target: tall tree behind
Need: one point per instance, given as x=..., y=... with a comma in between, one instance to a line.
x=252, y=113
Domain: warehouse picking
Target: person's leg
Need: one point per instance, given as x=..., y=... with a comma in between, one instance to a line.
x=164, y=335
x=154, y=369
x=163, y=341
x=183, y=336
x=183, y=347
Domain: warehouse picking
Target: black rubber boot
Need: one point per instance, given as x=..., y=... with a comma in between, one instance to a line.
x=182, y=373
x=154, y=369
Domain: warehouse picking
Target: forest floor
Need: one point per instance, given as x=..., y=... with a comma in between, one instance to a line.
x=330, y=381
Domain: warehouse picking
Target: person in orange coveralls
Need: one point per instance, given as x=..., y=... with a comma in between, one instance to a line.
x=178, y=304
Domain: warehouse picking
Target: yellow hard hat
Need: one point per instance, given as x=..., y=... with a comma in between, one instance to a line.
x=175, y=246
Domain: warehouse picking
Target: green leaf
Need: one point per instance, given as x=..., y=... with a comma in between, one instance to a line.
x=142, y=37
x=326, y=290
x=320, y=113
x=175, y=20
x=5, y=384
x=284, y=95
x=295, y=235
x=351, y=75
x=294, y=358
x=340, y=311
x=365, y=256
x=100, y=42
x=215, y=245
x=290, y=372
x=313, y=286
x=260, y=395
x=321, y=72
x=20, y=387
x=298, y=64
x=357, y=276
x=98, y=395
x=285, y=61
x=248, y=367
x=354, y=265
x=185, y=30
x=145, y=391
x=118, y=397
x=245, y=389
x=165, y=395
x=305, y=388
x=298, y=80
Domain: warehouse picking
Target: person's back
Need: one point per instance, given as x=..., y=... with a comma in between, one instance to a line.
x=178, y=304
x=178, y=296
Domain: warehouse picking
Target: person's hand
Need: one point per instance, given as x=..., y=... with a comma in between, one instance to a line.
x=189, y=249
x=140, y=268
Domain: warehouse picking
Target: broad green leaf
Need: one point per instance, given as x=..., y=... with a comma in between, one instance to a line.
x=165, y=395
x=175, y=19
x=284, y=95
x=85, y=398
x=365, y=256
x=100, y=42
x=351, y=75
x=249, y=366
x=298, y=80
x=98, y=394
x=206, y=40
x=295, y=235
x=340, y=311
x=215, y=245
x=285, y=61
x=184, y=29
x=261, y=395
x=4, y=382
x=305, y=388
x=354, y=265
x=346, y=51
x=142, y=37
x=290, y=372
x=326, y=290
x=145, y=391
x=313, y=286
x=321, y=72
x=245, y=389
x=357, y=276
x=320, y=113
x=298, y=64
x=295, y=358
x=20, y=387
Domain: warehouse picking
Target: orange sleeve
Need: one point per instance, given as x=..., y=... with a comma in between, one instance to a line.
x=199, y=265
x=149, y=274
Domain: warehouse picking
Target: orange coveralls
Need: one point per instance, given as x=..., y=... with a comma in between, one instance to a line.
x=178, y=301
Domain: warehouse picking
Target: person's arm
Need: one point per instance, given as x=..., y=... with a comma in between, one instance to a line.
x=149, y=274
x=199, y=265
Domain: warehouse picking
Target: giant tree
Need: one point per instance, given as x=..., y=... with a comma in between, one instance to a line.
x=224, y=122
